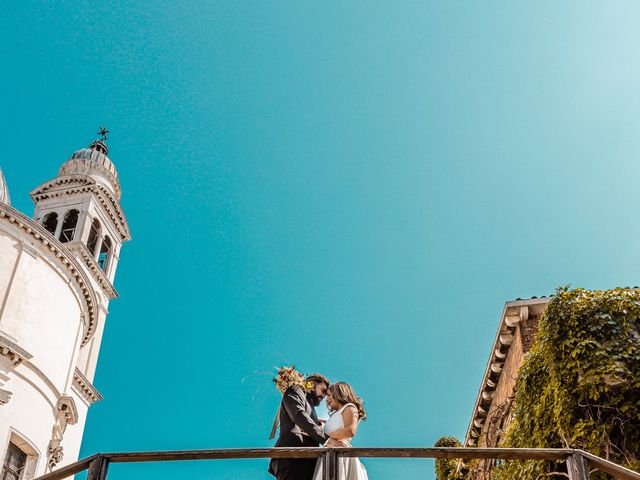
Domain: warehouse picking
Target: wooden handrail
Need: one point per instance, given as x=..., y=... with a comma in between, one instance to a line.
x=98, y=464
x=70, y=469
x=217, y=454
x=316, y=452
x=611, y=468
x=459, y=452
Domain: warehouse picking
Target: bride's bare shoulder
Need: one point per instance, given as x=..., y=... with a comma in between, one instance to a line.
x=349, y=409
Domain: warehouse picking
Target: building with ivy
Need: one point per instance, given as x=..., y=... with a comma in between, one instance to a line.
x=563, y=372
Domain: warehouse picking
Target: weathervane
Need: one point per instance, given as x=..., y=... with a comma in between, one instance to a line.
x=103, y=133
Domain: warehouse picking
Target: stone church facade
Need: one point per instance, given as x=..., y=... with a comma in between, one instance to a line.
x=56, y=281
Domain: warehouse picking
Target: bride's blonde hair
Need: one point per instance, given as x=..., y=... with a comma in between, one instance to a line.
x=343, y=394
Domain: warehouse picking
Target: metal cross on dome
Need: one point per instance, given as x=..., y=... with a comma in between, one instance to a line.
x=103, y=133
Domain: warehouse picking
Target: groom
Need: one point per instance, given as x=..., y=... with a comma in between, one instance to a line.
x=300, y=427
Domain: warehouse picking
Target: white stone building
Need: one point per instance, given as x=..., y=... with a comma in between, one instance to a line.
x=56, y=281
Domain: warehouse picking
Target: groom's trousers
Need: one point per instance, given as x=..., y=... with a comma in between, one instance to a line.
x=294, y=468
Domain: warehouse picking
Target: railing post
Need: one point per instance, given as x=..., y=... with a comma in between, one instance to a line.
x=98, y=468
x=577, y=467
x=329, y=469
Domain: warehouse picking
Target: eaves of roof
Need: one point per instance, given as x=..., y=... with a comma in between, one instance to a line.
x=513, y=312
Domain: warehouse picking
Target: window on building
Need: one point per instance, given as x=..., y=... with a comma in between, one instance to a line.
x=14, y=463
x=69, y=226
x=94, y=234
x=50, y=222
x=105, y=253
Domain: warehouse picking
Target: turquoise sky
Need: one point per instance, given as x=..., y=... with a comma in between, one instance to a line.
x=356, y=187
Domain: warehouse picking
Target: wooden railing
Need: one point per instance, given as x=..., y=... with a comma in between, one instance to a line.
x=579, y=463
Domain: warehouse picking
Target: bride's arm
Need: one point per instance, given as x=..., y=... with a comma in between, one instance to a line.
x=350, y=420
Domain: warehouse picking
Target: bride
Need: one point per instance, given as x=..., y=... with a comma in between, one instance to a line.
x=346, y=412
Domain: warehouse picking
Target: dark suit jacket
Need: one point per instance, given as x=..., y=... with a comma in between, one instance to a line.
x=297, y=415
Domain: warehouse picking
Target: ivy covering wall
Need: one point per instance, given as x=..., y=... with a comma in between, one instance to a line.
x=579, y=386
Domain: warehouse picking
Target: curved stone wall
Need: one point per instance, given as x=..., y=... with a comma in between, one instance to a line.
x=43, y=313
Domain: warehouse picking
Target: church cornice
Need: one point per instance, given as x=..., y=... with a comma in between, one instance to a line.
x=80, y=249
x=115, y=212
x=84, y=387
x=78, y=184
x=65, y=259
x=15, y=355
x=69, y=181
x=13, y=351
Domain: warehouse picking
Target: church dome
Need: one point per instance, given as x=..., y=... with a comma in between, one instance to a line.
x=4, y=190
x=93, y=161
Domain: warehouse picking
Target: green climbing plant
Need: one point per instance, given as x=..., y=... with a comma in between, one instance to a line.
x=449, y=468
x=579, y=386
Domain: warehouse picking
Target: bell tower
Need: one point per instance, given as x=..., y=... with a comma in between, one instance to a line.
x=56, y=282
x=81, y=207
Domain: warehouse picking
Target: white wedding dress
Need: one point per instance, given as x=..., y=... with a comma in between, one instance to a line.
x=349, y=468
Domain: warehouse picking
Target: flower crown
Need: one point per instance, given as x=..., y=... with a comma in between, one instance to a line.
x=289, y=377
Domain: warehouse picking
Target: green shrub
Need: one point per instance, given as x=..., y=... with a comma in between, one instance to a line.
x=449, y=468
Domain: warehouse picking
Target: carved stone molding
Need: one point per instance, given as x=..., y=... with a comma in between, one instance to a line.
x=66, y=414
x=80, y=249
x=11, y=355
x=74, y=184
x=12, y=350
x=64, y=258
x=67, y=410
x=107, y=200
x=85, y=388
x=56, y=455
x=4, y=190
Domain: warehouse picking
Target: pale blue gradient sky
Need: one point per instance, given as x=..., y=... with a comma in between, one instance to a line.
x=357, y=187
